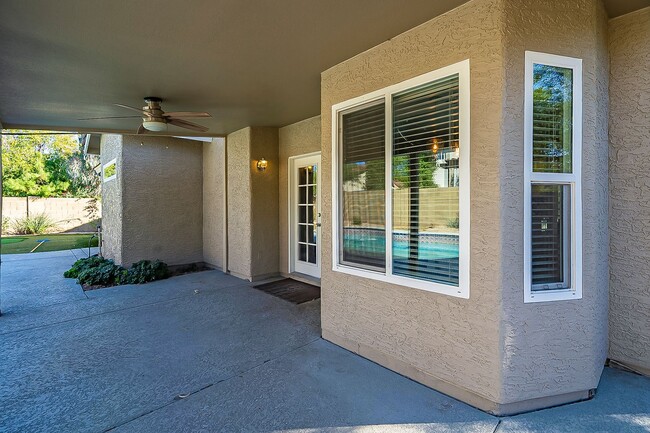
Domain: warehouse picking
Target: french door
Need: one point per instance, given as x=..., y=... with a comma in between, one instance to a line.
x=305, y=215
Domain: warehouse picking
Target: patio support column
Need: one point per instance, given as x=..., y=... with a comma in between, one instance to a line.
x=1, y=137
x=253, y=203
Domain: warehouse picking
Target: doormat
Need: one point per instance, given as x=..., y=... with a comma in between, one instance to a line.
x=290, y=290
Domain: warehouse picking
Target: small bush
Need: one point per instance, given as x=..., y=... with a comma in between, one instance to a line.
x=97, y=271
x=33, y=225
x=5, y=225
x=453, y=223
x=146, y=270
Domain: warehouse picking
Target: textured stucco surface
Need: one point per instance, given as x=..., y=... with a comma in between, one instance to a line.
x=252, y=203
x=629, y=165
x=214, y=169
x=162, y=204
x=239, y=202
x=296, y=139
x=434, y=338
x=265, y=203
x=111, y=148
x=558, y=347
x=493, y=345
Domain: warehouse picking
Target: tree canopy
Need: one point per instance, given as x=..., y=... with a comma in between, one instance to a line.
x=47, y=166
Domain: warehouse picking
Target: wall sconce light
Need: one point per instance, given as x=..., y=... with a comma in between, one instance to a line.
x=434, y=146
x=262, y=164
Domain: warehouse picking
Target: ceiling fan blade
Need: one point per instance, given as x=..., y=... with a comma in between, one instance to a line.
x=139, y=110
x=187, y=114
x=188, y=125
x=110, y=117
x=141, y=129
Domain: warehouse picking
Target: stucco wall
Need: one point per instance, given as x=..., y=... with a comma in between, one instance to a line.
x=265, y=203
x=162, y=181
x=449, y=343
x=629, y=219
x=239, y=203
x=68, y=214
x=252, y=203
x=558, y=347
x=214, y=177
x=296, y=139
x=492, y=348
x=111, y=148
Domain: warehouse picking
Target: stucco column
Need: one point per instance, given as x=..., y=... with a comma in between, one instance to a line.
x=1, y=138
x=253, y=203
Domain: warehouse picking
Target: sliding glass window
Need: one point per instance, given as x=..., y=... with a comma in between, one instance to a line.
x=402, y=190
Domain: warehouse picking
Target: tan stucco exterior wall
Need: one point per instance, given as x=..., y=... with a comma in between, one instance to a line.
x=214, y=178
x=555, y=348
x=491, y=350
x=294, y=140
x=629, y=200
x=252, y=203
x=239, y=203
x=448, y=343
x=162, y=201
x=111, y=148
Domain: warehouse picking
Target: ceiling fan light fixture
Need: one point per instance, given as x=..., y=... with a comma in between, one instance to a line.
x=154, y=125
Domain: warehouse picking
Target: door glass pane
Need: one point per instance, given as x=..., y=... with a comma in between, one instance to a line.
x=302, y=212
x=302, y=252
x=362, y=187
x=310, y=234
x=302, y=176
x=311, y=194
x=426, y=152
x=312, y=254
x=302, y=233
x=302, y=195
x=552, y=119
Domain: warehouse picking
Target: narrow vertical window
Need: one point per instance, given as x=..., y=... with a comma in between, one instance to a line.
x=553, y=135
x=362, y=187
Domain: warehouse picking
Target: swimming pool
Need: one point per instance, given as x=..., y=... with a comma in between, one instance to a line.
x=431, y=246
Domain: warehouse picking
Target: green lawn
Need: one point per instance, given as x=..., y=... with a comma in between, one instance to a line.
x=24, y=244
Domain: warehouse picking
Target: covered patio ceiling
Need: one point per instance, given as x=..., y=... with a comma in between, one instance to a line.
x=246, y=62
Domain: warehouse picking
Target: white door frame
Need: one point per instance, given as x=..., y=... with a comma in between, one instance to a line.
x=292, y=213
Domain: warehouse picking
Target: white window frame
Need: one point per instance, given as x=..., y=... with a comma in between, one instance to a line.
x=463, y=288
x=573, y=180
x=111, y=162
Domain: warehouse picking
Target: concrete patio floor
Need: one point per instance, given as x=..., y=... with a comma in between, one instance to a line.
x=205, y=352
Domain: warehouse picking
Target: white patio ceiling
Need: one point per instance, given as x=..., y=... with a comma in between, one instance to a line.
x=246, y=62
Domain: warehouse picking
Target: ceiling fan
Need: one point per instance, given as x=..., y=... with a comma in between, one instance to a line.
x=156, y=120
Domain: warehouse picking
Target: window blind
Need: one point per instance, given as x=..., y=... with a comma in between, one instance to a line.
x=425, y=148
x=363, y=152
x=549, y=236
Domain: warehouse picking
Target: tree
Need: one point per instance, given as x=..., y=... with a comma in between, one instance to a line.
x=47, y=166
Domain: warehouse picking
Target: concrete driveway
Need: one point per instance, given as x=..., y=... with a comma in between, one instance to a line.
x=205, y=352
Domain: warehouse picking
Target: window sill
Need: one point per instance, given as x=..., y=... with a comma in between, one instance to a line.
x=457, y=292
x=551, y=295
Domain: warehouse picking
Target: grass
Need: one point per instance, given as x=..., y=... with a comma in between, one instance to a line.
x=24, y=244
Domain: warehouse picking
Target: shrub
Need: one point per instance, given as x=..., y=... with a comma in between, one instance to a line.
x=453, y=223
x=97, y=271
x=33, y=225
x=146, y=270
x=5, y=224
